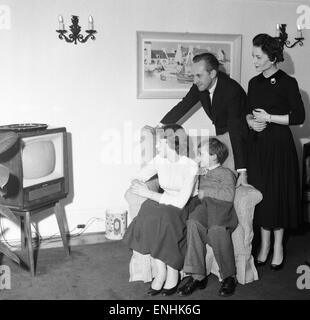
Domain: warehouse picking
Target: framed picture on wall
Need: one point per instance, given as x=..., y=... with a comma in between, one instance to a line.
x=165, y=59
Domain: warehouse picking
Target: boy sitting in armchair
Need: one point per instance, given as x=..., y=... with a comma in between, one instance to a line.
x=211, y=221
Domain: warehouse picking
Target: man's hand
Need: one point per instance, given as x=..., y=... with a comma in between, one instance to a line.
x=150, y=128
x=242, y=179
x=153, y=129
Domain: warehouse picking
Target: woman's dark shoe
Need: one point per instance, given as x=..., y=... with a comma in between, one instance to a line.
x=259, y=263
x=153, y=292
x=277, y=267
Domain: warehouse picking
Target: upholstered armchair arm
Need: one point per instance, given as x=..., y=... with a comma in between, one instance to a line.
x=246, y=198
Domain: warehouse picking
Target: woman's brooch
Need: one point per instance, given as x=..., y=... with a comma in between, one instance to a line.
x=273, y=80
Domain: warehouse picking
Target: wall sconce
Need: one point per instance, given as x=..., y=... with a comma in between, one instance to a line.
x=282, y=36
x=75, y=30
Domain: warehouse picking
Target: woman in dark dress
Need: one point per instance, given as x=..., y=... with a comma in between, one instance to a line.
x=274, y=103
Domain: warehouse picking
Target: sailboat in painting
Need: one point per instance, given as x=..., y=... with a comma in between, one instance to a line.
x=186, y=75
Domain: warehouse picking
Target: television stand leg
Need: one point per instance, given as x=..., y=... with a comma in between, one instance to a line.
x=60, y=220
x=22, y=233
x=27, y=225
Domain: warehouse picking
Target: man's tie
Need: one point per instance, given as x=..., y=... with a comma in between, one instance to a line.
x=209, y=101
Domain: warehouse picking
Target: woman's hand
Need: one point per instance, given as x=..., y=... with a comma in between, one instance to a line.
x=242, y=179
x=139, y=188
x=261, y=115
x=254, y=124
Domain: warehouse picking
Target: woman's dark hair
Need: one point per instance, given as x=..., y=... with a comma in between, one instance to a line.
x=176, y=137
x=210, y=60
x=216, y=147
x=269, y=46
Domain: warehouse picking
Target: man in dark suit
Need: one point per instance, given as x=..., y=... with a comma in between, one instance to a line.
x=224, y=101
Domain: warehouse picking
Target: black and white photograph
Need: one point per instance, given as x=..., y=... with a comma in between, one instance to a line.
x=155, y=156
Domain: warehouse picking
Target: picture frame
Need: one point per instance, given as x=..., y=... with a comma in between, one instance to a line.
x=164, y=60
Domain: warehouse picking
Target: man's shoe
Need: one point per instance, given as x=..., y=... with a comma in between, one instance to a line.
x=190, y=285
x=228, y=287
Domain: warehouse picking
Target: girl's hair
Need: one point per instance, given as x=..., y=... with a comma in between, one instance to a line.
x=176, y=137
x=269, y=46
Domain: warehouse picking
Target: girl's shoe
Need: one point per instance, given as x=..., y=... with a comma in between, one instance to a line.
x=153, y=292
x=169, y=292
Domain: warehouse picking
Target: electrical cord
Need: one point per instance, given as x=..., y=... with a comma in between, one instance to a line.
x=52, y=237
x=3, y=236
x=37, y=231
x=87, y=225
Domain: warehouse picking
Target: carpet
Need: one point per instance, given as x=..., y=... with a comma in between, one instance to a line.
x=100, y=272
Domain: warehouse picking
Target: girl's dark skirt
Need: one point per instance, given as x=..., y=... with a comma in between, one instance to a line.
x=159, y=230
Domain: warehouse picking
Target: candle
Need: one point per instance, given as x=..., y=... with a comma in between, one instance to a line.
x=299, y=29
x=61, y=23
x=90, y=23
x=278, y=30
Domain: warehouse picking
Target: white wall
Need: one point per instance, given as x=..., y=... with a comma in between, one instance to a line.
x=90, y=88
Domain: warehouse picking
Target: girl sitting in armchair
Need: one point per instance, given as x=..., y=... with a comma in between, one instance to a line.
x=159, y=229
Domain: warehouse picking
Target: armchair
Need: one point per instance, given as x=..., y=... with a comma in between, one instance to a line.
x=142, y=268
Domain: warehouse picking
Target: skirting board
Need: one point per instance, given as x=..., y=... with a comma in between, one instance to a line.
x=83, y=239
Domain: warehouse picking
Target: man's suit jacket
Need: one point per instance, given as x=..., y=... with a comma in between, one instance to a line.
x=227, y=112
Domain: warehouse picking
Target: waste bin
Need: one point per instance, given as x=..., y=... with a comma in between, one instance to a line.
x=116, y=223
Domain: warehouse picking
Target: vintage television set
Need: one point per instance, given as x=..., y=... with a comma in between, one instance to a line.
x=38, y=164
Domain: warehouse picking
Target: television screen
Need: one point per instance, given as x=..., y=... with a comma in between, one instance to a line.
x=42, y=158
x=38, y=159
